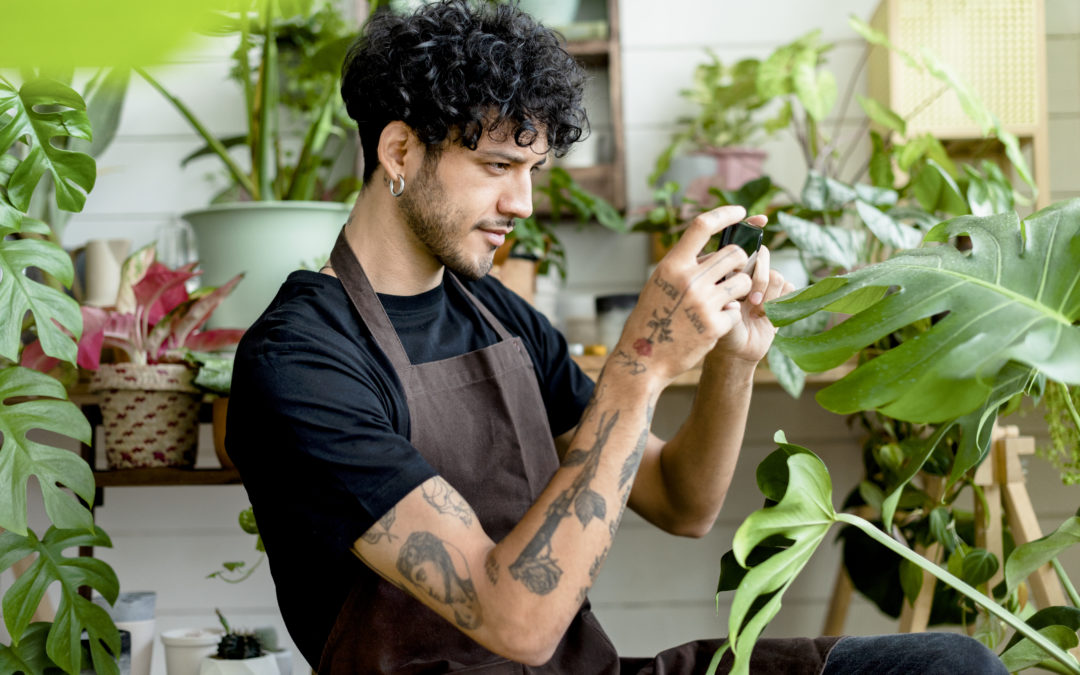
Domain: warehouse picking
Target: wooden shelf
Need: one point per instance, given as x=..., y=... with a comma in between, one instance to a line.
x=763, y=376
x=165, y=476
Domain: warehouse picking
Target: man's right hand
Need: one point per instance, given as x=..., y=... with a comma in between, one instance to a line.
x=685, y=306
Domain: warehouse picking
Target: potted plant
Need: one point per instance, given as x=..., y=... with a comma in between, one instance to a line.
x=718, y=144
x=213, y=376
x=238, y=653
x=1010, y=289
x=285, y=211
x=36, y=119
x=149, y=402
x=533, y=247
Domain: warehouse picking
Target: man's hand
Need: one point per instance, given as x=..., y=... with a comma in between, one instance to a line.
x=749, y=338
x=687, y=305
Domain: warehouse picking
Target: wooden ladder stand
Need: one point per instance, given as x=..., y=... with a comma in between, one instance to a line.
x=1001, y=477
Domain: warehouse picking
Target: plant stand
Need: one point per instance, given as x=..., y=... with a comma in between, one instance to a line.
x=1001, y=477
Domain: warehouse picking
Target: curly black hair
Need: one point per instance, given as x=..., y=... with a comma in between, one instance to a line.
x=457, y=70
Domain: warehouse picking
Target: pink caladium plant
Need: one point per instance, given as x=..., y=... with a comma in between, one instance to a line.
x=154, y=320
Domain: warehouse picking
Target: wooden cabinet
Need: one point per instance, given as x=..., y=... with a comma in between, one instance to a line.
x=607, y=178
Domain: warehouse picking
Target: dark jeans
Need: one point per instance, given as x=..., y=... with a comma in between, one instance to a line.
x=903, y=654
x=922, y=653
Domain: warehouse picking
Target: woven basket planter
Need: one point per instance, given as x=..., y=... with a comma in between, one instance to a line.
x=150, y=414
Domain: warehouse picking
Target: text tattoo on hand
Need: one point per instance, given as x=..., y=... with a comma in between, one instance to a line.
x=535, y=567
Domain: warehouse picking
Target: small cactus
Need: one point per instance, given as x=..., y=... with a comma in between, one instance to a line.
x=234, y=645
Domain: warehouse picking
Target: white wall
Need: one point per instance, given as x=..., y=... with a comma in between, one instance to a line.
x=655, y=591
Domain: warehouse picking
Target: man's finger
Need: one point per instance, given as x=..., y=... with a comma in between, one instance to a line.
x=704, y=226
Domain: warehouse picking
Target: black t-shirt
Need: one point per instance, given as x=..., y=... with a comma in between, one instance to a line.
x=319, y=426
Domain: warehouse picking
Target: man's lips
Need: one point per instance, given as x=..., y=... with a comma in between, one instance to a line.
x=495, y=236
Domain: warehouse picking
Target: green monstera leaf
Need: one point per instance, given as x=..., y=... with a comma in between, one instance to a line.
x=75, y=613
x=35, y=114
x=21, y=457
x=798, y=515
x=20, y=294
x=28, y=656
x=1015, y=297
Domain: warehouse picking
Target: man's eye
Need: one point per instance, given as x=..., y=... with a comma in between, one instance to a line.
x=499, y=166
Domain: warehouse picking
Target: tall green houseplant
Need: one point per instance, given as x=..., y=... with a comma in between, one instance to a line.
x=36, y=119
x=282, y=210
x=1004, y=321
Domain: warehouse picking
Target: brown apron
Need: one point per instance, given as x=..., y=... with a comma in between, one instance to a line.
x=478, y=410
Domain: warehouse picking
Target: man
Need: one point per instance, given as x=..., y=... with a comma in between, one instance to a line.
x=436, y=483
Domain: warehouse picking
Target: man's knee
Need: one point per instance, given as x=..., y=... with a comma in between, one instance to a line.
x=926, y=653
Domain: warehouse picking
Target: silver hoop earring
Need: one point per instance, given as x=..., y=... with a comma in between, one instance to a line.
x=400, y=187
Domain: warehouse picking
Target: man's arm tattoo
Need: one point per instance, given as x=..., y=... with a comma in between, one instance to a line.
x=382, y=528
x=491, y=566
x=444, y=499
x=427, y=562
x=535, y=567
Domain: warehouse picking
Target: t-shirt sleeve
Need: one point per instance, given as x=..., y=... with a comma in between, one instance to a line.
x=332, y=426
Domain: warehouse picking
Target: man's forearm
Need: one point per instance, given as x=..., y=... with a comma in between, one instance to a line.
x=553, y=555
x=699, y=461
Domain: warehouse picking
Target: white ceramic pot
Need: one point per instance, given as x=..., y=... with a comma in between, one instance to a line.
x=187, y=648
x=260, y=665
x=264, y=240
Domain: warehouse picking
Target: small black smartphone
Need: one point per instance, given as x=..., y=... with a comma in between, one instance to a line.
x=747, y=237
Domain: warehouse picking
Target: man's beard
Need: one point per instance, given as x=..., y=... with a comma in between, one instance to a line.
x=423, y=206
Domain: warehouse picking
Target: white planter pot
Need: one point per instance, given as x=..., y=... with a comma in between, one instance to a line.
x=187, y=648
x=264, y=240
x=260, y=665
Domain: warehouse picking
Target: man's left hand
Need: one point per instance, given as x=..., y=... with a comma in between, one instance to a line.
x=751, y=338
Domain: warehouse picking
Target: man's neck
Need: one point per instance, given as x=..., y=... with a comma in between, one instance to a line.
x=393, y=260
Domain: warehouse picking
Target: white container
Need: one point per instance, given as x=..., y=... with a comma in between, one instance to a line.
x=260, y=665
x=187, y=648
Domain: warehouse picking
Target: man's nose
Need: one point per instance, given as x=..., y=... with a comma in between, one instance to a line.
x=516, y=200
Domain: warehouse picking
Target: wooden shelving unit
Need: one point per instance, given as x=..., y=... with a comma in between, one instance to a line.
x=607, y=179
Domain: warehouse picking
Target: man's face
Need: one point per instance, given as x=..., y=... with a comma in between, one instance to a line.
x=461, y=205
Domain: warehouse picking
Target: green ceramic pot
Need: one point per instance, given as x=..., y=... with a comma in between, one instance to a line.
x=264, y=240
x=554, y=13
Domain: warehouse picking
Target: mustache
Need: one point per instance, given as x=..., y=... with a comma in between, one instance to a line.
x=489, y=224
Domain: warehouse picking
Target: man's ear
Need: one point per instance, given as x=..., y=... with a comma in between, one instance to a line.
x=398, y=146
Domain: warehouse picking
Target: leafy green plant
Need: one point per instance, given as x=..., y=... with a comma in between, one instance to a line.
x=1061, y=403
x=728, y=105
x=235, y=571
x=236, y=645
x=298, y=51
x=993, y=323
x=535, y=236
x=34, y=119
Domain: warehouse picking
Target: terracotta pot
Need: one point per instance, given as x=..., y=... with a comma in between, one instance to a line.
x=221, y=409
x=734, y=168
x=150, y=414
x=519, y=275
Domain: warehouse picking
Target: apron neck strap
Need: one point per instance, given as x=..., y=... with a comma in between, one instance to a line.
x=367, y=304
